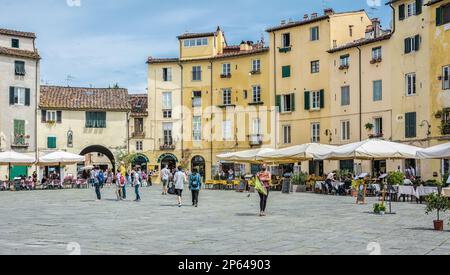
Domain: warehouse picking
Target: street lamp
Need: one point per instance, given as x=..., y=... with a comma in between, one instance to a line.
x=427, y=124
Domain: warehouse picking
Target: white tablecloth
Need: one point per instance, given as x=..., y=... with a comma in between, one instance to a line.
x=406, y=190
x=319, y=184
x=423, y=191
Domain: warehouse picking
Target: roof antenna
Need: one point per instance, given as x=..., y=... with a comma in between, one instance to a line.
x=69, y=79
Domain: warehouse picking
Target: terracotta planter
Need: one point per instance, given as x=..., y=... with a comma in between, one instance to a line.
x=439, y=225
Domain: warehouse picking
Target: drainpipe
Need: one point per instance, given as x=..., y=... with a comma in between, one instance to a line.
x=128, y=132
x=360, y=93
x=275, y=87
x=212, y=114
x=393, y=19
x=36, y=98
x=182, y=108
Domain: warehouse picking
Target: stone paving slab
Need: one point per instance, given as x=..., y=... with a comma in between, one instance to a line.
x=226, y=222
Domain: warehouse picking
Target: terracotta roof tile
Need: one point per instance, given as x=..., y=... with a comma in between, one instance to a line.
x=361, y=42
x=432, y=2
x=75, y=98
x=298, y=23
x=139, y=104
x=17, y=33
x=152, y=60
x=19, y=53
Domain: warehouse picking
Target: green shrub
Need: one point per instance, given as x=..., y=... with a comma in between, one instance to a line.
x=299, y=178
x=396, y=178
x=437, y=202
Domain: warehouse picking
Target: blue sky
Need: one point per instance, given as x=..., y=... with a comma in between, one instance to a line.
x=101, y=42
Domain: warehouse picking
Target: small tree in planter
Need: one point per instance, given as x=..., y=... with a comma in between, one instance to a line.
x=379, y=209
x=396, y=178
x=438, y=203
x=300, y=180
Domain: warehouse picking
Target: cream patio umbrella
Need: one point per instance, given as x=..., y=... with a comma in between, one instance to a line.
x=304, y=152
x=437, y=152
x=10, y=158
x=372, y=149
x=248, y=156
x=60, y=157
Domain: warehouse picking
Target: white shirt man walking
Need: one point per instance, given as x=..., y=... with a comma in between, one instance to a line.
x=165, y=177
x=179, y=180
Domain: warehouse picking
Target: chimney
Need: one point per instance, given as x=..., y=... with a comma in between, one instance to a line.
x=314, y=15
x=376, y=24
x=305, y=17
x=245, y=46
x=283, y=22
x=328, y=11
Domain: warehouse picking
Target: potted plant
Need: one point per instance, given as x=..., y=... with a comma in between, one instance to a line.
x=438, y=203
x=379, y=209
x=299, y=180
x=396, y=178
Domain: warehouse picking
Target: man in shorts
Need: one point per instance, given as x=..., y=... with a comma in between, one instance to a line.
x=165, y=177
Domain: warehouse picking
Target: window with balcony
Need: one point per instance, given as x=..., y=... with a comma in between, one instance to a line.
x=344, y=62
x=377, y=55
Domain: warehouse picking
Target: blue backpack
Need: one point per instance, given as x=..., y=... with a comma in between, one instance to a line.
x=195, y=181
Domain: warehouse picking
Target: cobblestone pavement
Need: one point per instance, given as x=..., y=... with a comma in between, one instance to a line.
x=45, y=222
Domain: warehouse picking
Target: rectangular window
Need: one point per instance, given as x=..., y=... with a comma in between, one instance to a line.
x=256, y=65
x=315, y=132
x=412, y=44
x=378, y=127
x=226, y=130
x=256, y=94
x=15, y=43
x=410, y=125
x=19, y=96
x=197, y=128
x=377, y=90
x=226, y=97
x=167, y=74
x=377, y=53
x=226, y=69
x=345, y=96
x=315, y=66
x=314, y=33
x=345, y=61
x=345, y=130
x=443, y=15
x=287, y=134
x=167, y=133
x=286, y=103
x=19, y=68
x=198, y=42
x=197, y=73
x=286, y=71
x=95, y=119
x=167, y=101
x=51, y=116
x=139, y=125
x=286, y=40
x=51, y=142
x=411, y=9
x=411, y=84
x=256, y=126
x=19, y=132
x=446, y=77
x=315, y=100
x=196, y=99
x=139, y=146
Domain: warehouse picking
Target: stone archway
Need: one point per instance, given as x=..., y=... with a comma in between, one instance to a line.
x=100, y=149
x=199, y=163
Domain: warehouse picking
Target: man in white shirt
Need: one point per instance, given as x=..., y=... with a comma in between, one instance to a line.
x=179, y=180
x=165, y=177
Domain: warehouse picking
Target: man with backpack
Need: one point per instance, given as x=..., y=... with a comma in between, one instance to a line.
x=195, y=184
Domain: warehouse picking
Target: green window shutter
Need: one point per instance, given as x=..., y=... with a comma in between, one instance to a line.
x=27, y=97
x=278, y=103
x=407, y=45
x=417, y=42
x=322, y=99
x=103, y=119
x=419, y=4
x=19, y=127
x=307, y=100
x=51, y=142
x=286, y=70
x=88, y=120
x=293, y=102
x=401, y=12
x=410, y=125
x=439, y=16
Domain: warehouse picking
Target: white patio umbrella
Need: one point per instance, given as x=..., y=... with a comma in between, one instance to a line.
x=13, y=158
x=60, y=157
x=437, y=152
x=372, y=149
x=248, y=156
x=304, y=152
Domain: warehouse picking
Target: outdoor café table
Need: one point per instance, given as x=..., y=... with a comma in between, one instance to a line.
x=406, y=191
x=423, y=191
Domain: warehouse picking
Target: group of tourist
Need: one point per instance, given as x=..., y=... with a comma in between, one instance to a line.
x=173, y=182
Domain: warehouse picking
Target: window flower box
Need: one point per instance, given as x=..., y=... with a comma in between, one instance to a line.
x=225, y=76
x=285, y=49
x=344, y=67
